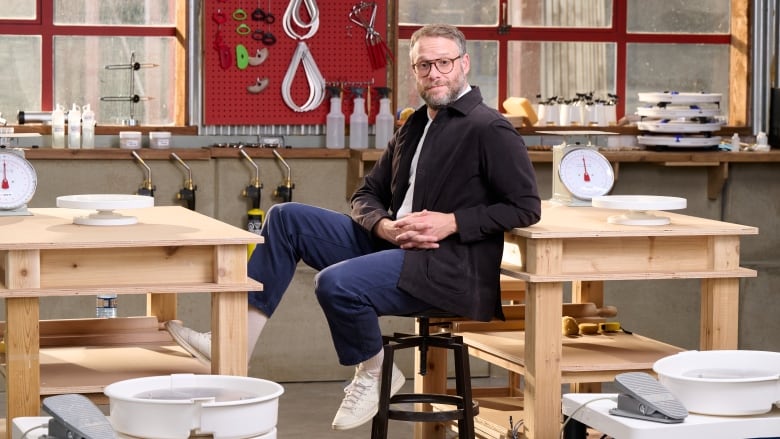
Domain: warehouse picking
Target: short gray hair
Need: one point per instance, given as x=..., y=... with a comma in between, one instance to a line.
x=440, y=30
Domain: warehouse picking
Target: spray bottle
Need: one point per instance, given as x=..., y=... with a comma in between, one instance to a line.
x=74, y=127
x=385, y=121
x=58, y=127
x=334, y=125
x=358, y=121
x=87, y=127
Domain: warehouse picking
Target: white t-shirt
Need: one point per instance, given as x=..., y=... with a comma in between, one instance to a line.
x=406, y=205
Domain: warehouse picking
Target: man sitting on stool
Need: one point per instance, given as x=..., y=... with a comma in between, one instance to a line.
x=426, y=228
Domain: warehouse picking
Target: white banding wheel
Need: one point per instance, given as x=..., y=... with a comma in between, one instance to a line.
x=638, y=207
x=105, y=204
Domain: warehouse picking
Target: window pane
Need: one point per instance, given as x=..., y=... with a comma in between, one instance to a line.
x=676, y=67
x=20, y=75
x=479, y=12
x=483, y=73
x=679, y=16
x=561, y=13
x=17, y=9
x=81, y=77
x=116, y=12
x=549, y=69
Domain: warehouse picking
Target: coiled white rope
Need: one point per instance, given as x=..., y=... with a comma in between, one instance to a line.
x=293, y=15
x=303, y=55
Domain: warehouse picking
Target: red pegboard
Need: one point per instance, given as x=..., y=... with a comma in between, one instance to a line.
x=338, y=47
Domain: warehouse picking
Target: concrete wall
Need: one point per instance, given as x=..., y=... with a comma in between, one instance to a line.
x=296, y=345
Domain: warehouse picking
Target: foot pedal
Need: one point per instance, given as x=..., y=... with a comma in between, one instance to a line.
x=74, y=416
x=643, y=397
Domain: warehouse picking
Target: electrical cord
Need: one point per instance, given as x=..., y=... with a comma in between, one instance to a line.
x=31, y=429
x=302, y=55
x=582, y=406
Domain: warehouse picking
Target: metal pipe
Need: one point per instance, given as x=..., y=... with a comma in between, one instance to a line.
x=147, y=188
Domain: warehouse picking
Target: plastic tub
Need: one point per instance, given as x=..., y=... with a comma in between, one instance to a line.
x=722, y=382
x=130, y=139
x=175, y=406
x=159, y=139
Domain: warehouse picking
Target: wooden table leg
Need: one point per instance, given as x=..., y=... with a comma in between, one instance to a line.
x=23, y=371
x=162, y=306
x=434, y=381
x=542, y=411
x=719, y=323
x=22, y=337
x=229, y=313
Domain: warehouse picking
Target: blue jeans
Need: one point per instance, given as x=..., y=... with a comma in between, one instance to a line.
x=357, y=279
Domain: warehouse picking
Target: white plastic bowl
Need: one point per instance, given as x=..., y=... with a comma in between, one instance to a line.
x=176, y=406
x=723, y=382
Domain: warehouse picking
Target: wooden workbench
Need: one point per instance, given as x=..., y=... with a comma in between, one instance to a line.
x=170, y=250
x=578, y=245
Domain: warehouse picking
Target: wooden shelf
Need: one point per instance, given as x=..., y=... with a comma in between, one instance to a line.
x=85, y=355
x=586, y=358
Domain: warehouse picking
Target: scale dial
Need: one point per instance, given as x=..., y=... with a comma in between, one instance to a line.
x=18, y=180
x=586, y=173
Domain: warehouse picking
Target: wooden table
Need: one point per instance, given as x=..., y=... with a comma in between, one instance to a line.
x=578, y=245
x=170, y=250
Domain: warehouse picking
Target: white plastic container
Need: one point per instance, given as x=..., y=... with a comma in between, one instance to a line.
x=87, y=127
x=159, y=139
x=74, y=127
x=130, y=139
x=358, y=122
x=334, y=124
x=174, y=406
x=723, y=382
x=385, y=123
x=58, y=127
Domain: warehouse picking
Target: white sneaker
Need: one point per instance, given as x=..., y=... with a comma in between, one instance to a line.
x=198, y=344
x=361, y=402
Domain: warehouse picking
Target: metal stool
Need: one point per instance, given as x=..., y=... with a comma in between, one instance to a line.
x=464, y=408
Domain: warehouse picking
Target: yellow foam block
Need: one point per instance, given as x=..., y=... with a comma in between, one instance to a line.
x=589, y=328
x=521, y=107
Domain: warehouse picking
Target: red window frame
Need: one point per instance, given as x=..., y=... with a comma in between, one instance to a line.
x=617, y=34
x=43, y=25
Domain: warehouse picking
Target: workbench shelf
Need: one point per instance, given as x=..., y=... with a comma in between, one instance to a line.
x=85, y=355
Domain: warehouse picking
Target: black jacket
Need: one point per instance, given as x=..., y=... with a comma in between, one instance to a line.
x=473, y=164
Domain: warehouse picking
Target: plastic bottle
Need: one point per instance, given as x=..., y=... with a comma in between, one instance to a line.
x=74, y=127
x=87, y=127
x=58, y=127
x=334, y=125
x=735, y=146
x=106, y=305
x=358, y=121
x=385, y=122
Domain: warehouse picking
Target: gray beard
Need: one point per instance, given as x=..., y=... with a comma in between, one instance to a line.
x=441, y=103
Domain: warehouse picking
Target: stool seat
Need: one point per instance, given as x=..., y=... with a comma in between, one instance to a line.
x=464, y=408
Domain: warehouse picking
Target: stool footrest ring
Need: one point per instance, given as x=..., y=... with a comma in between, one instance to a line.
x=431, y=416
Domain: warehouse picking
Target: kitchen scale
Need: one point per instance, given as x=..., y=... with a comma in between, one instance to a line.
x=579, y=174
x=18, y=183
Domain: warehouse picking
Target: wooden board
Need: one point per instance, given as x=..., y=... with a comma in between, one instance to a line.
x=88, y=369
x=583, y=358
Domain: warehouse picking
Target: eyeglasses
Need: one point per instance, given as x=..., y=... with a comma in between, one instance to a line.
x=443, y=65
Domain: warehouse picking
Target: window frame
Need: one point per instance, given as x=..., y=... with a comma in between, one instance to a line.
x=738, y=41
x=43, y=25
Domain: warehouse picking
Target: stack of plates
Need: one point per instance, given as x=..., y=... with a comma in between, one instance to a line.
x=679, y=120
